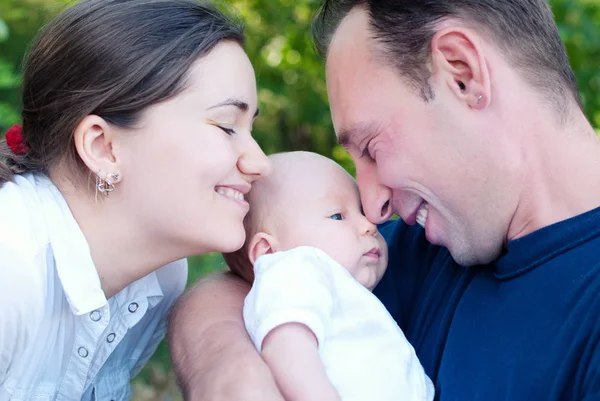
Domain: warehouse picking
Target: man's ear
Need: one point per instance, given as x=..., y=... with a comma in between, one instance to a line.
x=458, y=57
x=94, y=143
x=261, y=244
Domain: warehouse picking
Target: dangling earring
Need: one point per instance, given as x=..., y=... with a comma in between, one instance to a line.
x=106, y=185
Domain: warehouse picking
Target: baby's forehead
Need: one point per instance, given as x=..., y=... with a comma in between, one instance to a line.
x=319, y=176
x=303, y=184
x=321, y=188
x=300, y=177
x=301, y=164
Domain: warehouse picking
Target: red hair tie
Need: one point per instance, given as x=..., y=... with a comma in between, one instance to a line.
x=14, y=140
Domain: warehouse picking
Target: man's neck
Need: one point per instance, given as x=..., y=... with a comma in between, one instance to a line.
x=562, y=174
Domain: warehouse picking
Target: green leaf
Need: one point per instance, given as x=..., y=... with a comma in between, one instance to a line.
x=3, y=30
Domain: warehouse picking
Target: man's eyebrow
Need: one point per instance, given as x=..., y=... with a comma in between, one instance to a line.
x=364, y=129
x=243, y=106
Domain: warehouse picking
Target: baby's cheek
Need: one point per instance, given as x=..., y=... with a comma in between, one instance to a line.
x=343, y=256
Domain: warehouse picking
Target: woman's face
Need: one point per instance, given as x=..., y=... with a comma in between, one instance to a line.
x=189, y=161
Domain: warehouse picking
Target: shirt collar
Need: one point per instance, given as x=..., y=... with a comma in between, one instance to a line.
x=74, y=264
x=532, y=250
x=148, y=286
x=72, y=256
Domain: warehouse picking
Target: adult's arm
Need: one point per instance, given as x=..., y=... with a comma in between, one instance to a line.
x=212, y=354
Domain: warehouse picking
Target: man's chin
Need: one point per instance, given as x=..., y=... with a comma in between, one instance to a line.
x=470, y=257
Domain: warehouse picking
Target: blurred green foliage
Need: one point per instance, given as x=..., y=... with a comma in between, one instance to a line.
x=292, y=92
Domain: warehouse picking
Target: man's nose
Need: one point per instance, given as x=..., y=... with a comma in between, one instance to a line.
x=375, y=197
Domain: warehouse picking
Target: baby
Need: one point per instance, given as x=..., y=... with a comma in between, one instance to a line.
x=313, y=258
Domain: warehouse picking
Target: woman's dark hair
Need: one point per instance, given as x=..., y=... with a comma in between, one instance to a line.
x=111, y=58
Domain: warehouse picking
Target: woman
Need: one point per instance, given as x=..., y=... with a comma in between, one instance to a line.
x=134, y=153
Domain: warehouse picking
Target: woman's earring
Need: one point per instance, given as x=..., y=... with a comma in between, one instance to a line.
x=106, y=185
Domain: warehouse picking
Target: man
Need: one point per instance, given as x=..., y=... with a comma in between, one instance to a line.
x=462, y=116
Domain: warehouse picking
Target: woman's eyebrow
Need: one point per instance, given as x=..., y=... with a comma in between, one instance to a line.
x=243, y=106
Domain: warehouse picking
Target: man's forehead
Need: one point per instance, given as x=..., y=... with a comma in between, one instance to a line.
x=350, y=36
x=348, y=66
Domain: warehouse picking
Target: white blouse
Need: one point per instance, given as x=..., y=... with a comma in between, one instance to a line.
x=60, y=338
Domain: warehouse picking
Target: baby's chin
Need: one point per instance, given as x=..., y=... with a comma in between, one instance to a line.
x=367, y=277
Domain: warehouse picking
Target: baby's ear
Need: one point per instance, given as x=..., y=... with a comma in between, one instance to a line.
x=261, y=244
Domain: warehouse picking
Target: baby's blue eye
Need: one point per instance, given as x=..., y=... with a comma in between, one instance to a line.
x=337, y=216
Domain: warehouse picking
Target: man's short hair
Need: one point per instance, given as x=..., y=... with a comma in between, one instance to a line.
x=524, y=29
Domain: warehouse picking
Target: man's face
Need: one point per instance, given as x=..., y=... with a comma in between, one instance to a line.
x=439, y=163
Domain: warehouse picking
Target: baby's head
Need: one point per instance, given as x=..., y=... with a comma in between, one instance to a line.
x=310, y=200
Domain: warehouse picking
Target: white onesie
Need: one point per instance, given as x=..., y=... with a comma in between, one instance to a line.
x=366, y=356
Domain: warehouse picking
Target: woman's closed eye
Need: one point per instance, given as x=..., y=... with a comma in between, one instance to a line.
x=336, y=216
x=228, y=131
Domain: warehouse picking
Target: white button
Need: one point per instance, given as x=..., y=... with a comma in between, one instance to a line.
x=82, y=352
x=111, y=337
x=95, y=316
x=133, y=307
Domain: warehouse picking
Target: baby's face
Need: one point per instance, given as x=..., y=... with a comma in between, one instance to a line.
x=323, y=210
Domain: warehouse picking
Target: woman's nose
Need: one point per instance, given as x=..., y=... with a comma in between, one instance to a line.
x=253, y=162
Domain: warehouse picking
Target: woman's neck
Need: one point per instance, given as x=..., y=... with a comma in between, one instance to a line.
x=122, y=251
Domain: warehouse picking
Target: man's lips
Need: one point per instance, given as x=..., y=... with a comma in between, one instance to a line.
x=411, y=218
x=422, y=214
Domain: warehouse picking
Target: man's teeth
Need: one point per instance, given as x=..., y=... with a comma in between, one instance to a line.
x=230, y=193
x=422, y=215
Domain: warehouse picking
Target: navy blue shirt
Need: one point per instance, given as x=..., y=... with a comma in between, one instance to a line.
x=524, y=328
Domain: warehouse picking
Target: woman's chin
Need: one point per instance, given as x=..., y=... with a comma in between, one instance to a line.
x=231, y=243
x=226, y=238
